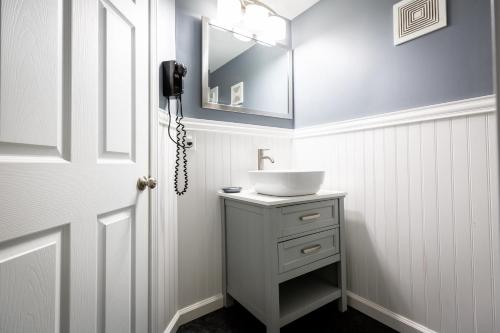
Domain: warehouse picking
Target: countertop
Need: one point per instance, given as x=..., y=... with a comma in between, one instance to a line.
x=251, y=196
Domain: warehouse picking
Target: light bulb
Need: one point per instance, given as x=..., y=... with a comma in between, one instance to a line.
x=255, y=17
x=276, y=27
x=228, y=12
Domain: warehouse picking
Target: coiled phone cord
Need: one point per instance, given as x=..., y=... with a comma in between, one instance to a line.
x=180, y=145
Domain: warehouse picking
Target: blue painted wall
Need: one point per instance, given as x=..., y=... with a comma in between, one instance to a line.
x=188, y=51
x=346, y=65
x=264, y=73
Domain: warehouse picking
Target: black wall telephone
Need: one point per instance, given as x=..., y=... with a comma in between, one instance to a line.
x=173, y=74
x=173, y=87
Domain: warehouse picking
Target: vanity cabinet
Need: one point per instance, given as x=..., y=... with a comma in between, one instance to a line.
x=283, y=257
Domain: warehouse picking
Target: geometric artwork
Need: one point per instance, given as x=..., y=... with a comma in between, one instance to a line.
x=237, y=94
x=415, y=18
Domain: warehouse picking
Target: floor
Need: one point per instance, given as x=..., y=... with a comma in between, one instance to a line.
x=326, y=319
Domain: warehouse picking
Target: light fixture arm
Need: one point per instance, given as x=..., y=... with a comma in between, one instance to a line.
x=245, y=3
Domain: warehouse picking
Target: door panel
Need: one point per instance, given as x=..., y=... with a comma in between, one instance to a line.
x=35, y=43
x=73, y=142
x=116, y=262
x=117, y=62
x=32, y=272
x=31, y=57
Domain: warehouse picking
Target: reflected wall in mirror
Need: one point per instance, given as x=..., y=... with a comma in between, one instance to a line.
x=242, y=74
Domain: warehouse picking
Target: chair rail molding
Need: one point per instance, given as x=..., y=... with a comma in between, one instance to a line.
x=454, y=109
x=222, y=127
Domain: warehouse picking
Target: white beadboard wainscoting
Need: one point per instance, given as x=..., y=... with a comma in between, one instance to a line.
x=167, y=231
x=222, y=156
x=421, y=213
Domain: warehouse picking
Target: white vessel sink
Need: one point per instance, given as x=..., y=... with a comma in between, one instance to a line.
x=287, y=183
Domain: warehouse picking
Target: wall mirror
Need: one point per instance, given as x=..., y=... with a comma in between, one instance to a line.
x=244, y=74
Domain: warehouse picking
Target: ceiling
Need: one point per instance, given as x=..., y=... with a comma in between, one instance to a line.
x=290, y=8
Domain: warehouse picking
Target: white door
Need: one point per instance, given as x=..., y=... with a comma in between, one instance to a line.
x=73, y=142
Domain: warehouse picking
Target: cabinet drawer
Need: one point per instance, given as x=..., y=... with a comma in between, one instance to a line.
x=305, y=250
x=307, y=217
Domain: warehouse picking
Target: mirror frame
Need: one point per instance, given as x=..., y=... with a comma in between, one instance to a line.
x=224, y=107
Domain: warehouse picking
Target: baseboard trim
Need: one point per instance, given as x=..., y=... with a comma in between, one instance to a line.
x=460, y=108
x=193, y=311
x=393, y=320
x=173, y=325
x=387, y=317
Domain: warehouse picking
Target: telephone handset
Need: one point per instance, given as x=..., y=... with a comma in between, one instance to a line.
x=173, y=74
x=173, y=87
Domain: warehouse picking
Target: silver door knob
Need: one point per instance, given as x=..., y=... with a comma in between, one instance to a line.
x=144, y=182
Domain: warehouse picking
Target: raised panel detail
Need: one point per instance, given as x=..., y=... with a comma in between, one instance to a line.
x=117, y=102
x=30, y=285
x=116, y=262
x=34, y=112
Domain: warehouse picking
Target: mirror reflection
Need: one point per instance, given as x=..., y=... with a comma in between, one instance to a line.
x=247, y=75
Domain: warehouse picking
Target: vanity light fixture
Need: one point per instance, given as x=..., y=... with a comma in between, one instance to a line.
x=255, y=17
x=228, y=12
x=251, y=17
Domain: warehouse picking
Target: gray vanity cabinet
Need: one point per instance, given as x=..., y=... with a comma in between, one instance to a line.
x=283, y=259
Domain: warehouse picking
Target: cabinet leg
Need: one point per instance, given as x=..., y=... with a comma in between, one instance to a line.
x=343, y=303
x=341, y=268
x=273, y=328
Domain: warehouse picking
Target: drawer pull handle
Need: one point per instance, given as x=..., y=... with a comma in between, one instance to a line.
x=311, y=249
x=310, y=217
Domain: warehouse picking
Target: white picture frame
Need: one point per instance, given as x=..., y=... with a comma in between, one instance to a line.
x=237, y=95
x=213, y=96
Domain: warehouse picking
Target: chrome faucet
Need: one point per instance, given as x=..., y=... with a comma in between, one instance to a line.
x=261, y=158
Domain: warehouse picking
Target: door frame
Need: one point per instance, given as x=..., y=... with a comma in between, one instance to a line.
x=495, y=41
x=495, y=38
x=154, y=306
